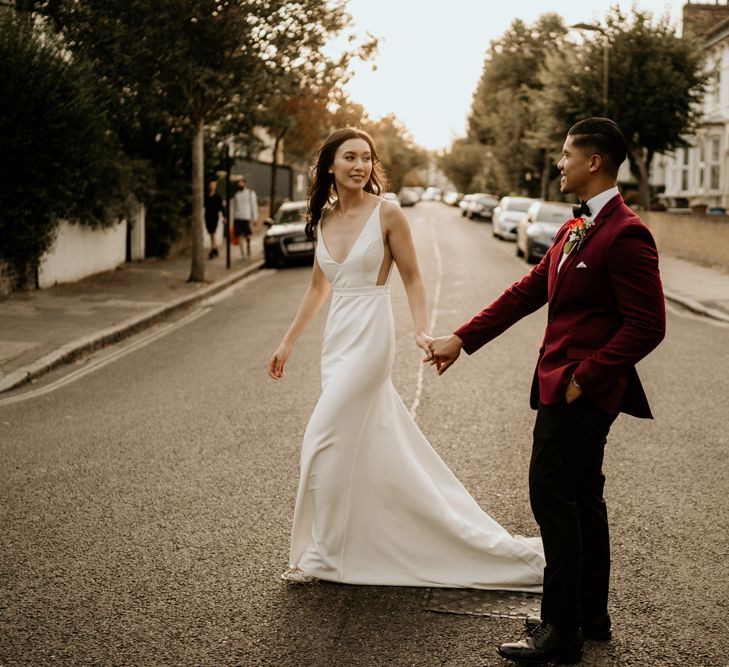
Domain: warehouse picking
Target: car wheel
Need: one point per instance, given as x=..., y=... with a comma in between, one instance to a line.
x=529, y=256
x=519, y=253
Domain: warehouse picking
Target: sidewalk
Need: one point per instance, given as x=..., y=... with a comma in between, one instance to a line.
x=701, y=289
x=42, y=329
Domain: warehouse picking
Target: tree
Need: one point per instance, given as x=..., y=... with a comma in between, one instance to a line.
x=399, y=154
x=196, y=61
x=502, y=113
x=462, y=163
x=656, y=82
x=58, y=158
x=300, y=114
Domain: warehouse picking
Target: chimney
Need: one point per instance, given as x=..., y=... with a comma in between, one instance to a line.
x=700, y=17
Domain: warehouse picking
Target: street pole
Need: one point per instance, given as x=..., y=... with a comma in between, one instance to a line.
x=605, y=59
x=605, y=70
x=228, y=221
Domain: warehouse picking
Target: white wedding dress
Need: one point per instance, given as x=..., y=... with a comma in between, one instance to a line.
x=376, y=504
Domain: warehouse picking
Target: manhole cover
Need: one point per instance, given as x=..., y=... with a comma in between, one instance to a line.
x=497, y=604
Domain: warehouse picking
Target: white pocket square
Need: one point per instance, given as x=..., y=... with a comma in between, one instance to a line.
x=581, y=265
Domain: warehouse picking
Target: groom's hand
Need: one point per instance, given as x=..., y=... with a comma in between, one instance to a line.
x=444, y=351
x=573, y=391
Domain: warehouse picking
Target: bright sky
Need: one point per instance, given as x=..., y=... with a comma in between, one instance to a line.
x=432, y=51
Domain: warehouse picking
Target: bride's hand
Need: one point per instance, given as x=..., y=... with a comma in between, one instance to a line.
x=278, y=362
x=422, y=340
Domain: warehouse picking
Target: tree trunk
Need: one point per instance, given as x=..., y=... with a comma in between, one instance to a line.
x=197, y=269
x=640, y=167
x=274, y=169
x=546, y=171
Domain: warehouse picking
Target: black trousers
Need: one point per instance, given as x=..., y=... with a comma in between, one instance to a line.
x=565, y=486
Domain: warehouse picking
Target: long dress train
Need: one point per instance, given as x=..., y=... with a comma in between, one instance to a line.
x=376, y=504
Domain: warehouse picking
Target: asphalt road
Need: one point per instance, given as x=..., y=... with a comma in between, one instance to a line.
x=145, y=507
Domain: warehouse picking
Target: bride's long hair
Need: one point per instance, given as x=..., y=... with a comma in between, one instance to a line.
x=322, y=191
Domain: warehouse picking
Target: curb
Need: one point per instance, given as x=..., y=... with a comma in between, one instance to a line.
x=696, y=307
x=114, y=334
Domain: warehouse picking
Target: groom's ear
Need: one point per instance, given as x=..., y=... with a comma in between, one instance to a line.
x=595, y=163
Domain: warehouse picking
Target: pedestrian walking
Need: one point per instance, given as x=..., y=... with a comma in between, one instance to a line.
x=213, y=211
x=244, y=211
x=605, y=313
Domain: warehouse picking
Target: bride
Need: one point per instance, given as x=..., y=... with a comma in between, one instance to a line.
x=376, y=504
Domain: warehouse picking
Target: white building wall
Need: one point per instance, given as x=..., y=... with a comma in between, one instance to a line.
x=699, y=173
x=80, y=251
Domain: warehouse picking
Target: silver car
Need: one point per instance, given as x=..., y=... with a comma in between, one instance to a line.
x=481, y=205
x=507, y=216
x=536, y=231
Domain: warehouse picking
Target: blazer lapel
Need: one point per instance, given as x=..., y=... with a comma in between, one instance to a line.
x=605, y=212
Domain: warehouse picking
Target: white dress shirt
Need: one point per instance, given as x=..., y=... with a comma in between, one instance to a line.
x=595, y=204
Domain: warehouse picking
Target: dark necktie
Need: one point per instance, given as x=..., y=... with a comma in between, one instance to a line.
x=581, y=210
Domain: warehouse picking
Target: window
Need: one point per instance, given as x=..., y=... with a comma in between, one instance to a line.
x=714, y=162
x=684, y=168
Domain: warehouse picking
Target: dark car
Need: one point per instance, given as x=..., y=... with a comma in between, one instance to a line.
x=535, y=233
x=285, y=241
x=481, y=206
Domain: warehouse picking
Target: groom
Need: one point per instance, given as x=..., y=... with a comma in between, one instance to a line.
x=605, y=313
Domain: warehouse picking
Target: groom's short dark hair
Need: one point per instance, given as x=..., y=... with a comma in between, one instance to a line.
x=603, y=137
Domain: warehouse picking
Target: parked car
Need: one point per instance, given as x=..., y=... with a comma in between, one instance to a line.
x=482, y=206
x=285, y=241
x=391, y=196
x=536, y=231
x=452, y=198
x=431, y=194
x=409, y=196
x=465, y=203
x=507, y=216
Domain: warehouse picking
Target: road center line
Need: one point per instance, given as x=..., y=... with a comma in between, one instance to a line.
x=433, y=315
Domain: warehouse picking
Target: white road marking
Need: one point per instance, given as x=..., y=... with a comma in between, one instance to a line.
x=433, y=316
x=140, y=342
x=107, y=359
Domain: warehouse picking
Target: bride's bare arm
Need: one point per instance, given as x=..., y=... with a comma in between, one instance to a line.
x=401, y=245
x=315, y=295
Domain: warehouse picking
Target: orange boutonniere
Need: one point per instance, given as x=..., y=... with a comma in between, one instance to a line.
x=578, y=228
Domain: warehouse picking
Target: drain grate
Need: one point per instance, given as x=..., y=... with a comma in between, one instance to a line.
x=497, y=604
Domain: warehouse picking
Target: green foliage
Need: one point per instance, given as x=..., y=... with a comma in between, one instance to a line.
x=401, y=158
x=462, y=164
x=502, y=113
x=58, y=160
x=176, y=68
x=656, y=82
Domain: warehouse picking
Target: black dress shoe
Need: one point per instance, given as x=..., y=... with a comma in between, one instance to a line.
x=597, y=629
x=544, y=645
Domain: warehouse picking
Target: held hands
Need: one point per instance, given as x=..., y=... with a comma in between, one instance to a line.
x=278, y=361
x=423, y=340
x=443, y=352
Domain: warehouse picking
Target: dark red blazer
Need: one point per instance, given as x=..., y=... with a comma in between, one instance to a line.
x=606, y=312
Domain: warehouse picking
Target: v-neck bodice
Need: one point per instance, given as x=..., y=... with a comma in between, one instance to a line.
x=361, y=267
